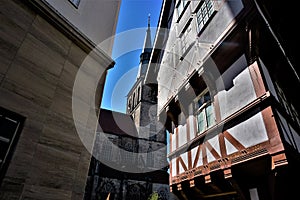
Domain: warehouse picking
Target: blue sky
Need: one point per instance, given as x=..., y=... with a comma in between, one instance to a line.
x=133, y=17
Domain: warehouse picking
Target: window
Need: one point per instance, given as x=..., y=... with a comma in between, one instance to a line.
x=10, y=129
x=204, y=111
x=75, y=2
x=138, y=95
x=180, y=7
x=129, y=105
x=133, y=101
x=186, y=39
x=204, y=13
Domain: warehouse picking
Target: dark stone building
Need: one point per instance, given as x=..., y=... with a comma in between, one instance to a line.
x=115, y=169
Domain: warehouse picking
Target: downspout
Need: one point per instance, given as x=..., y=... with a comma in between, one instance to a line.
x=276, y=39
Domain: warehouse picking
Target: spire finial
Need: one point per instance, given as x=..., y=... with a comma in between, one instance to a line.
x=149, y=20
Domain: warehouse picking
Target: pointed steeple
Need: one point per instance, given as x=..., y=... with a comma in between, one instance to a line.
x=145, y=55
x=147, y=43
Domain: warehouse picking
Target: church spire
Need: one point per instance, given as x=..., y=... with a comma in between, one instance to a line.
x=147, y=43
x=145, y=55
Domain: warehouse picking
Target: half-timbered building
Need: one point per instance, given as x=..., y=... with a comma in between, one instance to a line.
x=227, y=89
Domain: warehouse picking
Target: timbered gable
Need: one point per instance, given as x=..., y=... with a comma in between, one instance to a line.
x=236, y=144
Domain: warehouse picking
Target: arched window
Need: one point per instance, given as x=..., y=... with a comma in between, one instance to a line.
x=138, y=94
x=133, y=101
x=129, y=105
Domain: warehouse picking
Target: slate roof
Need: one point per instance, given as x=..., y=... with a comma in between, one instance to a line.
x=116, y=123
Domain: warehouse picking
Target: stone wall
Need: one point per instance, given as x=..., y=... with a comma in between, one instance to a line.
x=38, y=66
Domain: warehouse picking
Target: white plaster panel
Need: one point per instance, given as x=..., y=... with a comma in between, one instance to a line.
x=193, y=153
x=200, y=160
x=214, y=142
x=173, y=163
x=229, y=147
x=174, y=135
x=182, y=136
x=240, y=94
x=210, y=157
x=192, y=125
x=184, y=157
x=250, y=132
x=181, y=170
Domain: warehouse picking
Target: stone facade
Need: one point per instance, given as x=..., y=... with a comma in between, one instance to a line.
x=40, y=57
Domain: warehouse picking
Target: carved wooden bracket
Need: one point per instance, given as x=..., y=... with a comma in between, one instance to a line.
x=279, y=160
x=227, y=173
x=207, y=179
x=192, y=183
x=179, y=187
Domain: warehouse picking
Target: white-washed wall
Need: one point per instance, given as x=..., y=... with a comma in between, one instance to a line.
x=250, y=132
x=182, y=136
x=239, y=89
x=193, y=132
x=173, y=163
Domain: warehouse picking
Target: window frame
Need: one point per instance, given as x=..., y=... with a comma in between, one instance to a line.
x=204, y=109
x=182, y=4
x=75, y=3
x=208, y=14
x=16, y=118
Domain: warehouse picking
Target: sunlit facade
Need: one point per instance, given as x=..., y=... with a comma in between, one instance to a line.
x=226, y=94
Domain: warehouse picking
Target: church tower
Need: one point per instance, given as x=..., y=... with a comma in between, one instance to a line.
x=142, y=106
x=141, y=99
